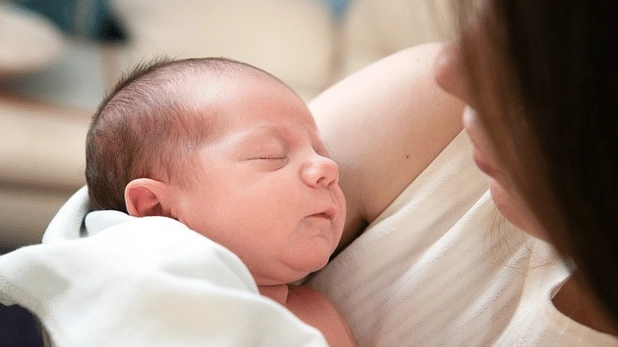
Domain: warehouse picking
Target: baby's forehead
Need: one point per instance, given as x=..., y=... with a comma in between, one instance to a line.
x=225, y=98
x=217, y=88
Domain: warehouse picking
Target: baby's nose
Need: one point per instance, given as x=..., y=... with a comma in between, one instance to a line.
x=320, y=171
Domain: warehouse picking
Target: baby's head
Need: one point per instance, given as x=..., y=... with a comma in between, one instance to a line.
x=152, y=122
x=226, y=149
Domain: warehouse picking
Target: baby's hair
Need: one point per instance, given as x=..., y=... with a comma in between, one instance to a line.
x=147, y=127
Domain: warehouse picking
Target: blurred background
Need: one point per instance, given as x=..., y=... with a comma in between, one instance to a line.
x=59, y=58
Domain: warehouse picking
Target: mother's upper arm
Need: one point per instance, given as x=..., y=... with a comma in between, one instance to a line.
x=384, y=125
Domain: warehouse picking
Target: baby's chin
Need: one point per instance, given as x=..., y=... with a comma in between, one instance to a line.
x=293, y=273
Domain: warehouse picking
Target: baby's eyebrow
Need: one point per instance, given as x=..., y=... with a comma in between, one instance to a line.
x=255, y=136
x=261, y=132
x=280, y=132
x=285, y=135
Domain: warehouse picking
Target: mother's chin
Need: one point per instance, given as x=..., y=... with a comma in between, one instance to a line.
x=514, y=210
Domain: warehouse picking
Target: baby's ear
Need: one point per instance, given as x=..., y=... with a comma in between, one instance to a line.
x=147, y=197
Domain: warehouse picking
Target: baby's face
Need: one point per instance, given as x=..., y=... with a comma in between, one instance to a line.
x=265, y=187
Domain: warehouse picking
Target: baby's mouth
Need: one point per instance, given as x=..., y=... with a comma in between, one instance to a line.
x=321, y=215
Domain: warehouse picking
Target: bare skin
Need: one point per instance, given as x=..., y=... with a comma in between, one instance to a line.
x=314, y=309
x=405, y=125
x=576, y=303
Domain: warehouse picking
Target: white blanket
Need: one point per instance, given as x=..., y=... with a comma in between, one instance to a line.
x=142, y=282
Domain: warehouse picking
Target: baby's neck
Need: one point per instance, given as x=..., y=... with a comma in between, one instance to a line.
x=279, y=292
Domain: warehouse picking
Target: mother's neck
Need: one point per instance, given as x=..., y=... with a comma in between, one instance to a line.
x=577, y=303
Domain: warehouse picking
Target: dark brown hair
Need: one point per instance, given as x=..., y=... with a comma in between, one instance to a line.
x=147, y=127
x=545, y=80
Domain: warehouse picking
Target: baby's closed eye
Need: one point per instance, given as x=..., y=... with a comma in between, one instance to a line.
x=270, y=157
x=269, y=161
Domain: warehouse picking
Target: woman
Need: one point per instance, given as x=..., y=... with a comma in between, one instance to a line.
x=425, y=264
x=539, y=79
x=546, y=136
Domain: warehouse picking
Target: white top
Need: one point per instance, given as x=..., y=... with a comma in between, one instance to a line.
x=440, y=267
x=437, y=268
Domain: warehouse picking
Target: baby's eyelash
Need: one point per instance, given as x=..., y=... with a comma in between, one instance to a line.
x=271, y=162
x=272, y=158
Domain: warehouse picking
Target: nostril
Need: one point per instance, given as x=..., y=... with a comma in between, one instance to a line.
x=331, y=176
